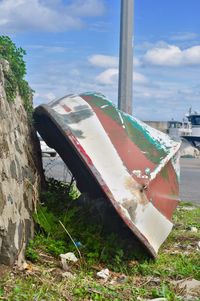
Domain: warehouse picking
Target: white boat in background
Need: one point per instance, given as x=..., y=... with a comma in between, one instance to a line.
x=177, y=129
x=194, y=122
x=188, y=130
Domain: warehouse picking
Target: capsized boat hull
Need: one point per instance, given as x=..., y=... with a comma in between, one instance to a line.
x=111, y=153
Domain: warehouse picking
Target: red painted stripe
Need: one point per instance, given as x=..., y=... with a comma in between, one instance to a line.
x=66, y=108
x=131, y=155
x=164, y=192
x=81, y=150
x=159, y=190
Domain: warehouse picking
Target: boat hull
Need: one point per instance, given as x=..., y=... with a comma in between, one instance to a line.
x=111, y=154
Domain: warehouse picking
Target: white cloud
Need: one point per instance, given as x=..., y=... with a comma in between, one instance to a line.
x=110, y=77
x=105, y=61
x=153, y=99
x=87, y=7
x=108, y=61
x=173, y=56
x=50, y=16
x=136, y=62
x=100, y=26
x=49, y=96
x=160, y=98
x=48, y=49
x=75, y=72
x=184, y=36
x=139, y=78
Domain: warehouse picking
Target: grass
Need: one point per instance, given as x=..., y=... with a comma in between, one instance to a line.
x=133, y=274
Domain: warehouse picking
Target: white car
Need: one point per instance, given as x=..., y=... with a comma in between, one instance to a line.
x=46, y=150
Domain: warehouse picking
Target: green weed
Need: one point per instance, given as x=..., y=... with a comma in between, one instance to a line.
x=29, y=288
x=95, y=244
x=164, y=292
x=14, y=77
x=100, y=248
x=45, y=244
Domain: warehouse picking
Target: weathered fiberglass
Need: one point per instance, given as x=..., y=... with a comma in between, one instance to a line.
x=112, y=153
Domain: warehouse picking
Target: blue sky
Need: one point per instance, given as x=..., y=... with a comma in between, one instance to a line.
x=73, y=45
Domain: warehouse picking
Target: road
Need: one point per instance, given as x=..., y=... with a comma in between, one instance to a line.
x=189, y=179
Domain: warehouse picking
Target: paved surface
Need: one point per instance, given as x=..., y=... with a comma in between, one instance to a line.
x=55, y=168
x=189, y=181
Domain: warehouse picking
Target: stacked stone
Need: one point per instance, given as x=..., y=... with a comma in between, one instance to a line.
x=19, y=176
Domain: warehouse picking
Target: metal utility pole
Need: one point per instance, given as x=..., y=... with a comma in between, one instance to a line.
x=125, y=84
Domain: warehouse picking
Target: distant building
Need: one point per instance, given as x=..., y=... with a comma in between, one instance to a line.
x=159, y=125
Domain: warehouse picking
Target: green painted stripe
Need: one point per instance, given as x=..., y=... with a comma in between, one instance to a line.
x=152, y=148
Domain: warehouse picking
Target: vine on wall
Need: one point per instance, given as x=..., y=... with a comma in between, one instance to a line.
x=14, y=77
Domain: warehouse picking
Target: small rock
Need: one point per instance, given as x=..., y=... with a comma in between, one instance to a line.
x=193, y=229
x=178, y=225
x=190, y=298
x=155, y=280
x=67, y=275
x=12, y=275
x=118, y=280
x=104, y=274
x=191, y=287
x=24, y=266
x=175, y=252
x=122, y=278
x=64, y=264
x=156, y=299
x=69, y=256
x=159, y=299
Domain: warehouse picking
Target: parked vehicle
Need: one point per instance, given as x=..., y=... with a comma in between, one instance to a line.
x=46, y=150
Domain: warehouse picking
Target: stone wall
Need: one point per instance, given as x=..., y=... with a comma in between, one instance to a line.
x=19, y=176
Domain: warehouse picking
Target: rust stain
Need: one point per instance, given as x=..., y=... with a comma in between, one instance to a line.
x=137, y=190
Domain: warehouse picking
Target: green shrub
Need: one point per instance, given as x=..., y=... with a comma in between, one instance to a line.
x=14, y=77
x=96, y=244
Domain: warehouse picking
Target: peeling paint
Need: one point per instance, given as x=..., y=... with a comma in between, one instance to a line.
x=124, y=158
